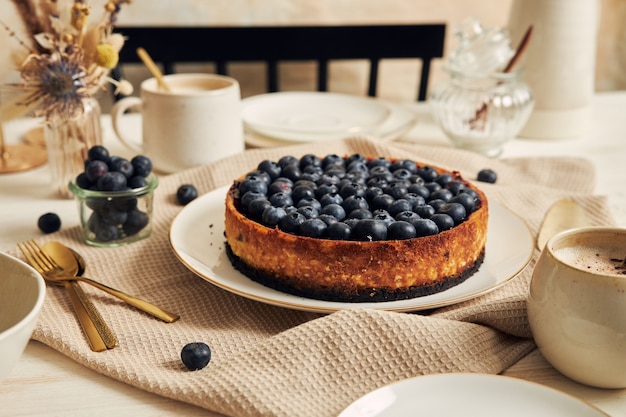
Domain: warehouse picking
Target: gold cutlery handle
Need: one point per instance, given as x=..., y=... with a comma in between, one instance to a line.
x=107, y=335
x=138, y=303
x=93, y=336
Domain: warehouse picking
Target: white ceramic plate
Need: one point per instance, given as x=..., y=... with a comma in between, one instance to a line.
x=305, y=116
x=197, y=238
x=400, y=120
x=468, y=395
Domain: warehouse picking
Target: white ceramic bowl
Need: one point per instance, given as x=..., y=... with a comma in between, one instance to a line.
x=22, y=291
x=577, y=305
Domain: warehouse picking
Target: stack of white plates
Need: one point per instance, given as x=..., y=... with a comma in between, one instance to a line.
x=276, y=119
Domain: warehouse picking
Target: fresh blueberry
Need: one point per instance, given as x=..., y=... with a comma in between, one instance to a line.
x=111, y=215
x=292, y=172
x=370, y=230
x=249, y=197
x=332, y=159
x=122, y=165
x=380, y=161
x=334, y=210
x=401, y=230
x=112, y=181
x=360, y=214
x=396, y=190
x=271, y=167
x=419, y=189
x=427, y=173
x=487, y=175
x=82, y=181
x=196, y=355
x=455, y=210
x=291, y=223
x=313, y=228
x=253, y=183
x=330, y=198
x=443, y=221
x=49, y=222
x=382, y=201
x=257, y=207
x=399, y=206
x=455, y=186
x=137, y=181
x=103, y=232
x=339, y=231
x=436, y=204
x=96, y=169
x=142, y=165
x=354, y=202
x=383, y=216
x=302, y=191
x=309, y=202
x=443, y=179
x=466, y=200
x=281, y=199
x=443, y=194
x=280, y=185
x=407, y=216
x=404, y=164
x=327, y=189
x=124, y=203
x=186, y=193
x=135, y=222
x=353, y=188
x=424, y=211
x=272, y=215
x=310, y=160
x=416, y=200
x=425, y=227
x=288, y=160
x=308, y=211
x=328, y=219
x=98, y=153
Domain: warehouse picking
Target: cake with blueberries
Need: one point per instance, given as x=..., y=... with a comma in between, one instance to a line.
x=355, y=229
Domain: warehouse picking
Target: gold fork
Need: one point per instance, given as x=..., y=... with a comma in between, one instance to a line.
x=98, y=333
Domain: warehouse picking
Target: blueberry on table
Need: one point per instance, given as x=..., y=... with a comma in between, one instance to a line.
x=196, y=355
x=186, y=193
x=49, y=223
x=487, y=175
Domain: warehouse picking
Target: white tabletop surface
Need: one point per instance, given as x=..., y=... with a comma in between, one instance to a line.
x=46, y=383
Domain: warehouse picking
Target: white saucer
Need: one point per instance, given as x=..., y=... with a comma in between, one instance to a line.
x=305, y=116
x=400, y=120
x=468, y=395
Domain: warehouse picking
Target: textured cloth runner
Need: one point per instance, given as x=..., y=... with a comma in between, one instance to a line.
x=273, y=361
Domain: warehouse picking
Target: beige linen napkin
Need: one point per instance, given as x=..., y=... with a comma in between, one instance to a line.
x=273, y=361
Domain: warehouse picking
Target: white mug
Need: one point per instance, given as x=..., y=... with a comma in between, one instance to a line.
x=577, y=305
x=197, y=122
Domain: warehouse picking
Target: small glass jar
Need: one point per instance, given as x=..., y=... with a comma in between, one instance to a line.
x=481, y=111
x=115, y=218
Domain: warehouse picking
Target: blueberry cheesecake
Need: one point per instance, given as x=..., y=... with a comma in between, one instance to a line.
x=355, y=229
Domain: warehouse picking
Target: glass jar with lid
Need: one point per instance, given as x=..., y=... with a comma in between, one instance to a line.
x=481, y=111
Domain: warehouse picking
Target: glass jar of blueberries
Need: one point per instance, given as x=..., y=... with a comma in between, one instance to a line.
x=115, y=198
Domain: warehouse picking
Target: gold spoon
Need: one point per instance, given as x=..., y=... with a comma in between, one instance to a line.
x=71, y=268
x=73, y=261
x=153, y=68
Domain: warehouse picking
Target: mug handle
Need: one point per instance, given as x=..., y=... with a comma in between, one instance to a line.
x=117, y=112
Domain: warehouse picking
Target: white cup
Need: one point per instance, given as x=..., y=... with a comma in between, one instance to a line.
x=196, y=123
x=577, y=305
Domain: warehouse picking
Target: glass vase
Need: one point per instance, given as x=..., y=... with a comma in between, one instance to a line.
x=68, y=140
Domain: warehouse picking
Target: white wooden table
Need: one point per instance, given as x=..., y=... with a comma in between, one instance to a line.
x=46, y=383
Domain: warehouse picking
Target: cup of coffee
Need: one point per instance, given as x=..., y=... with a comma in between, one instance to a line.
x=577, y=305
x=195, y=123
